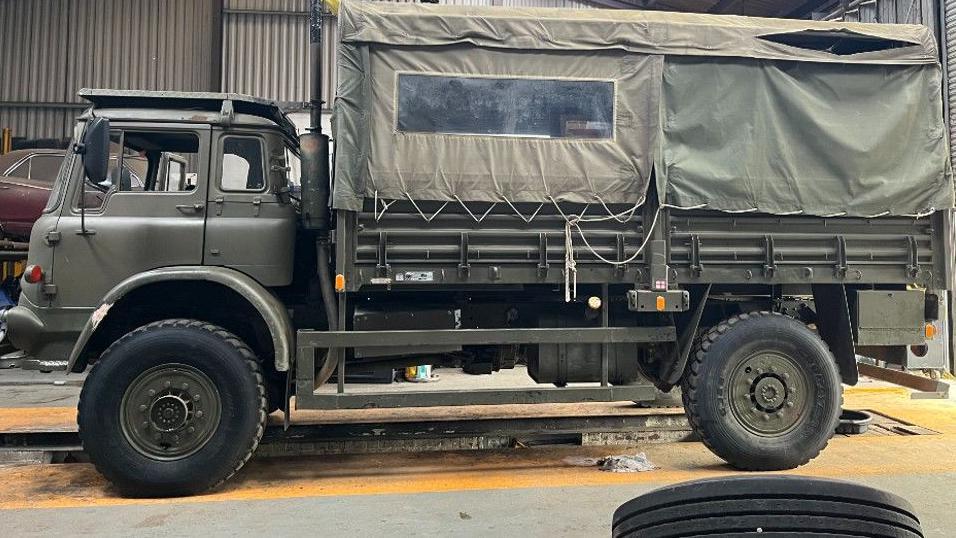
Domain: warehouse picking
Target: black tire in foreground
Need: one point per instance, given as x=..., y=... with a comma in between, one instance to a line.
x=764, y=506
x=175, y=407
x=762, y=391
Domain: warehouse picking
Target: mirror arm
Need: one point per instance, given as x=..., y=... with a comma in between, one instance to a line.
x=80, y=149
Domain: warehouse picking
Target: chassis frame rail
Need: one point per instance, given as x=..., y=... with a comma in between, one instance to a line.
x=308, y=396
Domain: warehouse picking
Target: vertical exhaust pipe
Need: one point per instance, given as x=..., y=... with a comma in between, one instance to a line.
x=314, y=145
x=316, y=187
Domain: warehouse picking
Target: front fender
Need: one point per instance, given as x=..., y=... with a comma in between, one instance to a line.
x=273, y=312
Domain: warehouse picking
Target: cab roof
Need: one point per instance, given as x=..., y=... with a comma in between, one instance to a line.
x=219, y=108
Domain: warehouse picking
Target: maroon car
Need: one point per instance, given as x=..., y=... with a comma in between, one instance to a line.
x=26, y=179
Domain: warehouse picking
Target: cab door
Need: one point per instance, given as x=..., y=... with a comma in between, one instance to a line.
x=137, y=219
x=251, y=221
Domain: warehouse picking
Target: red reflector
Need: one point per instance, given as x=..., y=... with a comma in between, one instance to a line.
x=33, y=274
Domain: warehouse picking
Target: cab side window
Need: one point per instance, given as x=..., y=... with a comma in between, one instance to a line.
x=145, y=162
x=243, y=167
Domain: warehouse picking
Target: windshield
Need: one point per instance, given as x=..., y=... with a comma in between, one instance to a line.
x=59, y=184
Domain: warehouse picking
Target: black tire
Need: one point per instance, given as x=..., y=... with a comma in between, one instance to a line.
x=225, y=366
x=776, y=505
x=753, y=418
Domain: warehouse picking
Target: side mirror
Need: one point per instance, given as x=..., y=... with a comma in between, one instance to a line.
x=95, y=149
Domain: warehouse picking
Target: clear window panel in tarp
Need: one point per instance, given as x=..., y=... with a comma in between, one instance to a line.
x=487, y=106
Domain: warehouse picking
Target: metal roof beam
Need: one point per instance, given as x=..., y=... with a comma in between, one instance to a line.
x=721, y=6
x=803, y=9
x=623, y=4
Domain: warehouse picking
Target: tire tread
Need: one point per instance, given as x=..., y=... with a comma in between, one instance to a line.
x=249, y=359
x=691, y=381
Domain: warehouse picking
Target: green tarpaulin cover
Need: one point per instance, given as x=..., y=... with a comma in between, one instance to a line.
x=487, y=104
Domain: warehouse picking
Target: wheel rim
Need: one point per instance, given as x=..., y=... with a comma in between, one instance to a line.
x=170, y=411
x=769, y=393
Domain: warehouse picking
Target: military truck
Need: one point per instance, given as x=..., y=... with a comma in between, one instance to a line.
x=627, y=201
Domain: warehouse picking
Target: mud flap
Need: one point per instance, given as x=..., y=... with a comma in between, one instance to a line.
x=833, y=325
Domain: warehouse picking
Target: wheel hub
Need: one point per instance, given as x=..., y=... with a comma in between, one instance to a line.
x=170, y=411
x=768, y=393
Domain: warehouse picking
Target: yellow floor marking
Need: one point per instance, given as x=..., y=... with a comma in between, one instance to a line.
x=25, y=419
x=79, y=485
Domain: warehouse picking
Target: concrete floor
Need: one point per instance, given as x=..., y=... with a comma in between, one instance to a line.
x=517, y=492
x=532, y=512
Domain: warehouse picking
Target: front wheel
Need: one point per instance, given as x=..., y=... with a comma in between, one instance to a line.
x=175, y=407
x=763, y=392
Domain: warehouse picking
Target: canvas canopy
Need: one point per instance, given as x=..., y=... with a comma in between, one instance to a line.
x=489, y=104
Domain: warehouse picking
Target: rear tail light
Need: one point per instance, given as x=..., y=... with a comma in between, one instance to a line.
x=33, y=274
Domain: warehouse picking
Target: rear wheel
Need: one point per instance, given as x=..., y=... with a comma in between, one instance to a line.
x=762, y=391
x=175, y=407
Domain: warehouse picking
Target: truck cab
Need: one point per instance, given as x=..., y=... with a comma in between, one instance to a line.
x=193, y=180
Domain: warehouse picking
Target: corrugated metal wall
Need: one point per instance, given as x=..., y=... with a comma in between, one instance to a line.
x=949, y=44
x=49, y=49
x=924, y=12
x=265, y=46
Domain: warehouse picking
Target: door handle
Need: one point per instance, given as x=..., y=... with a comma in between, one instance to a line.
x=191, y=208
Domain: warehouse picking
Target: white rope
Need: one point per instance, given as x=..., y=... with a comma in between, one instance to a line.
x=472, y=215
x=573, y=222
x=684, y=208
x=921, y=214
x=420, y=212
x=626, y=214
x=751, y=210
x=385, y=206
x=527, y=220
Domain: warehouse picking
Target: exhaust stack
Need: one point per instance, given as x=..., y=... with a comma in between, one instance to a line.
x=316, y=179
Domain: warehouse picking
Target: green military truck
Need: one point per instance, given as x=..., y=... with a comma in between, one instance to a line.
x=627, y=201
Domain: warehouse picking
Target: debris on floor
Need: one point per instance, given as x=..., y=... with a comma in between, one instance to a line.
x=624, y=463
